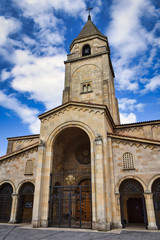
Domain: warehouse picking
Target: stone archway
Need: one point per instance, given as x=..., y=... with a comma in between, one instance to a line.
x=25, y=202
x=156, y=200
x=132, y=202
x=6, y=191
x=71, y=161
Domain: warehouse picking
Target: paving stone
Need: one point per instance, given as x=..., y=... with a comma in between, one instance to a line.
x=19, y=232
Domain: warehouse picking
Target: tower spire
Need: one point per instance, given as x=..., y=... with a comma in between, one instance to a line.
x=89, y=9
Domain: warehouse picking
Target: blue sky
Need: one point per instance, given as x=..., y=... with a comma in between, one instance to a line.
x=35, y=36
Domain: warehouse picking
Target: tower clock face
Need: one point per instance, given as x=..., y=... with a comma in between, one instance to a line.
x=83, y=154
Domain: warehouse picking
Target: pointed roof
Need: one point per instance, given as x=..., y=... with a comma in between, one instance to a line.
x=88, y=30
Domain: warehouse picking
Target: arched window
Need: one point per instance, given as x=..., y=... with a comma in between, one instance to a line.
x=88, y=88
x=29, y=167
x=128, y=162
x=84, y=88
x=86, y=50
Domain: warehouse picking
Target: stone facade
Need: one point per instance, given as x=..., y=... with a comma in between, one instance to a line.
x=84, y=134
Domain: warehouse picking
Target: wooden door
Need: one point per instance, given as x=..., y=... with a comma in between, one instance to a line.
x=83, y=203
x=135, y=210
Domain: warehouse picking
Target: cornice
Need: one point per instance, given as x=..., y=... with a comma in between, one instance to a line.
x=86, y=57
x=24, y=137
x=135, y=141
x=138, y=124
x=84, y=39
x=18, y=152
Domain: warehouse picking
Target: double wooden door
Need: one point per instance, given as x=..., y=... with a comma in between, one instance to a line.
x=135, y=210
x=83, y=203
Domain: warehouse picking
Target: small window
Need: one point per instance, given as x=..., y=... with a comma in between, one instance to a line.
x=86, y=88
x=29, y=167
x=128, y=162
x=86, y=50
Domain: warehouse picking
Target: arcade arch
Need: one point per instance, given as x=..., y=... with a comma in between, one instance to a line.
x=132, y=203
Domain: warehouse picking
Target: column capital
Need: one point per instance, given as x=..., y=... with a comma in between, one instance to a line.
x=147, y=192
x=14, y=195
x=117, y=193
x=98, y=139
x=42, y=145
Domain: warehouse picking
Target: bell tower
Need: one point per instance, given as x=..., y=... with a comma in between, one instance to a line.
x=89, y=75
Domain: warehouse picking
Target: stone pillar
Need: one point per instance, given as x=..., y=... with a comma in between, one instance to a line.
x=36, y=217
x=150, y=210
x=118, y=223
x=115, y=202
x=14, y=208
x=100, y=187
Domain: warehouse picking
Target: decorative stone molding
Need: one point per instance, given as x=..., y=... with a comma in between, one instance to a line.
x=12, y=158
x=135, y=129
x=67, y=109
x=42, y=144
x=98, y=139
x=130, y=143
x=156, y=126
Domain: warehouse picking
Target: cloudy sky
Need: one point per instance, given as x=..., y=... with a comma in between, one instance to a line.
x=34, y=40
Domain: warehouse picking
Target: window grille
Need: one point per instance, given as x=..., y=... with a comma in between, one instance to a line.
x=128, y=162
x=29, y=167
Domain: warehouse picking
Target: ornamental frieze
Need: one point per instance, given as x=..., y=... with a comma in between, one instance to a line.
x=136, y=144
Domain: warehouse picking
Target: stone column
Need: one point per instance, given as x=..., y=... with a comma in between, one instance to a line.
x=14, y=208
x=118, y=223
x=36, y=217
x=100, y=185
x=150, y=210
x=115, y=202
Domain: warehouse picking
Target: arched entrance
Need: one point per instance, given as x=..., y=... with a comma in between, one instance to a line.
x=6, y=191
x=25, y=202
x=156, y=200
x=70, y=187
x=133, y=208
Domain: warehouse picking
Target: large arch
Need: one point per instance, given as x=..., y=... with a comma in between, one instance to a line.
x=132, y=203
x=25, y=202
x=156, y=200
x=6, y=191
x=71, y=159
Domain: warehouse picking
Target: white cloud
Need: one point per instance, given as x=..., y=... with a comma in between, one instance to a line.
x=41, y=77
x=127, y=118
x=130, y=38
x=4, y=75
x=26, y=114
x=41, y=11
x=126, y=104
x=8, y=26
x=153, y=84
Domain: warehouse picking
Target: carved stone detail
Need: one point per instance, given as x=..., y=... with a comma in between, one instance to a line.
x=144, y=145
x=79, y=109
x=98, y=139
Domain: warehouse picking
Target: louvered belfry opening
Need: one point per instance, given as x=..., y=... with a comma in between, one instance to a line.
x=70, y=187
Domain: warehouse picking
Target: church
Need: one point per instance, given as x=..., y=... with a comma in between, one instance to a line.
x=84, y=169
